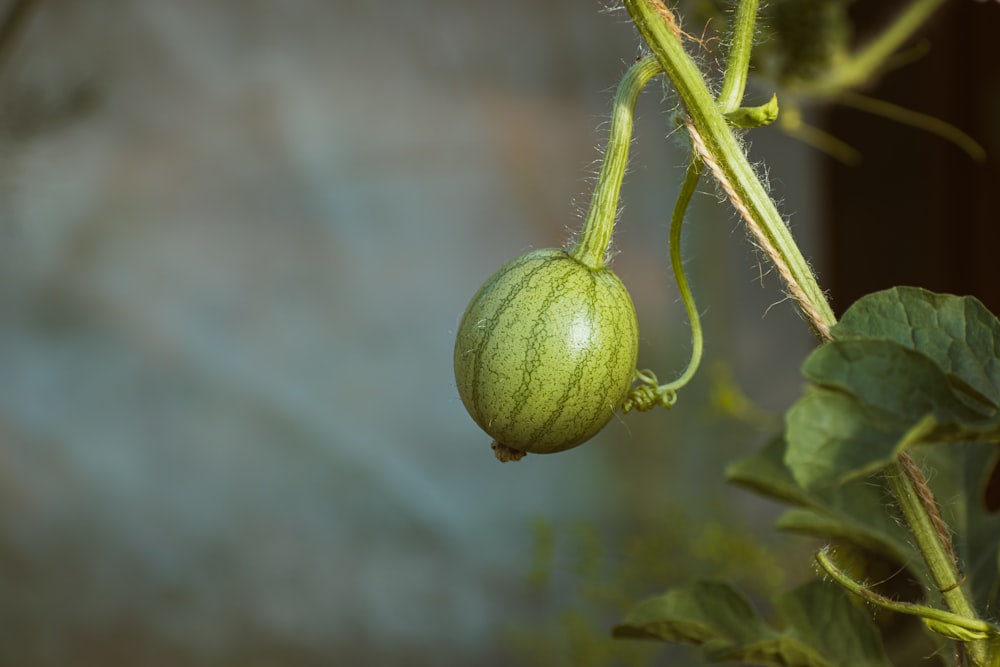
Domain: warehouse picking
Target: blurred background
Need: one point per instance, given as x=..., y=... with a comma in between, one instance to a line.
x=236, y=239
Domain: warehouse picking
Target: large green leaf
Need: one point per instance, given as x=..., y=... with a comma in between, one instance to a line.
x=958, y=333
x=833, y=437
x=890, y=379
x=823, y=628
x=906, y=367
x=701, y=612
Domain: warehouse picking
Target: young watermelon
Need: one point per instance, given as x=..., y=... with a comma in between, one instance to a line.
x=546, y=352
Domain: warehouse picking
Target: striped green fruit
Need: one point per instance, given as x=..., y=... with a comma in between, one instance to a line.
x=546, y=352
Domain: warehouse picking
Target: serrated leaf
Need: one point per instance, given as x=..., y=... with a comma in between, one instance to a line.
x=958, y=333
x=718, y=618
x=823, y=616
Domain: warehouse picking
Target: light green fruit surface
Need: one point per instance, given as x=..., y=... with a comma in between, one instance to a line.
x=546, y=352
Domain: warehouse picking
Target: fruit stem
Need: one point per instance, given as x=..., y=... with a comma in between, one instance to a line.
x=592, y=247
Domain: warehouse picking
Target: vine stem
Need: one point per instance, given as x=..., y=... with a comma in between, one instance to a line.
x=734, y=81
x=916, y=119
x=931, y=535
x=716, y=146
x=721, y=152
x=730, y=97
x=592, y=247
x=973, y=627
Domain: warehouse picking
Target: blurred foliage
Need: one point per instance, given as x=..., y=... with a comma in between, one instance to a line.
x=806, y=38
x=585, y=578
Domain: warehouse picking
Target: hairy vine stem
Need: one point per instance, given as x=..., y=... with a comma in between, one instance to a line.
x=592, y=246
x=945, y=622
x=813, y=312
x=727, y=161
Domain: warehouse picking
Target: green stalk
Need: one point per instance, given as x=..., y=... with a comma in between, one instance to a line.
x=730, y=98
x=903, y=480
x=592, y=247
x=721, y=152
x=734, y=81
x=955, y=623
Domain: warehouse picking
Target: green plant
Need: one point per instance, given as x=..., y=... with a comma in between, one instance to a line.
x=908, y=380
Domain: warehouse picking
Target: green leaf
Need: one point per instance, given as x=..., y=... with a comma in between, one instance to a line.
x=823, y=616
x=894, y=382
x=872, y=398
x=817, y=523
x=765, y=473
x=958, y=333
x=832, y=439
x=824, y=628
x=695, y=614
x=718, y=618
x=906, y=366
